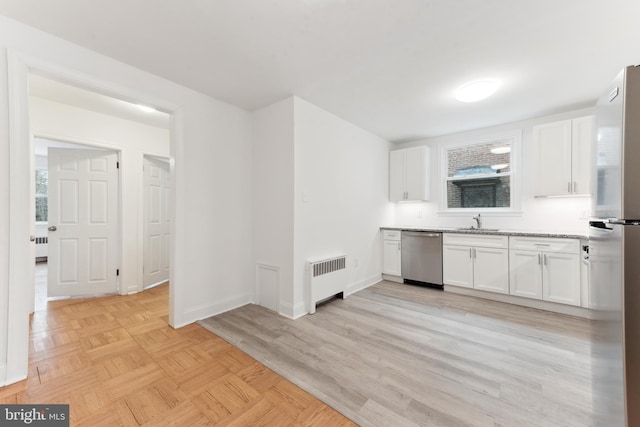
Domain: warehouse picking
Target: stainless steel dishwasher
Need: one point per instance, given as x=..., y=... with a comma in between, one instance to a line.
x=422, y=257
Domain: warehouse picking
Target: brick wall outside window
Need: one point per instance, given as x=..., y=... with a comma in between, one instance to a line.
x=494, y=192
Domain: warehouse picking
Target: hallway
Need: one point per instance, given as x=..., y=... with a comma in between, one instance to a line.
x=41, y=286
x=115, y=361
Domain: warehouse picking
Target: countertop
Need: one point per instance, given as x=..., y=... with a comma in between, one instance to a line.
x=489, y=231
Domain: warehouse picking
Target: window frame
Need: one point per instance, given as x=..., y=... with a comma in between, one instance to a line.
x=36, y=195
x=515, y=173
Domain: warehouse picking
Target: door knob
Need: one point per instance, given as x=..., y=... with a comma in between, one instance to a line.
x=52, y=228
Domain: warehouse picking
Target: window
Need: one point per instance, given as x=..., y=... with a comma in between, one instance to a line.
x=480, y=175
x=42, y=199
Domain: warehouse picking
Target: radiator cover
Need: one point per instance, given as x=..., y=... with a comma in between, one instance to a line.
x=326, y=277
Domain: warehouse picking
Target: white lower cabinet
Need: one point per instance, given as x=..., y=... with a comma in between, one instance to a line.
x=476, y=261
x=457, y=265
x=391, y=252
x=561, y=278
x=545, y=268
x=491, y=270
x=526, y=274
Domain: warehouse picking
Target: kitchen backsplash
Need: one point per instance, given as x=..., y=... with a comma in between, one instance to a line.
x=563, y=214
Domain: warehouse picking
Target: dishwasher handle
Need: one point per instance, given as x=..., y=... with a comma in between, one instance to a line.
x=421, y=234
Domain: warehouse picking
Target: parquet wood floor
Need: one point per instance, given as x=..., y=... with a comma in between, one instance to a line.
x=115, y=361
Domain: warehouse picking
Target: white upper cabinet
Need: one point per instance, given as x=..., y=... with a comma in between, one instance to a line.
x=396, y=175
x=582, y=134
x=553, y=167
x=563, y=163
x=409, y=174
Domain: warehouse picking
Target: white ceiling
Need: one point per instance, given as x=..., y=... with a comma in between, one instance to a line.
x=389, y=66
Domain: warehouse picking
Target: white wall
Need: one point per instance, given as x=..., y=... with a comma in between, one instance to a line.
x=562, y=214
x=212, y=267
x=273, y=199
x=66, y=123
x=343, y=170
x=215, y=197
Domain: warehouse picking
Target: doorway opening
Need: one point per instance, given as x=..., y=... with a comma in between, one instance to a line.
x=157, y=221
x=64, y=112
x=76, y=221
x=22, y=126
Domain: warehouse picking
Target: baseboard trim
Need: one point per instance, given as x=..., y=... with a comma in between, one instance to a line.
x=203, y=311
x=5, y=381
x=292, y=311
x=525, y=302
x=362, y=284
x=392, y=278
x=296, y=311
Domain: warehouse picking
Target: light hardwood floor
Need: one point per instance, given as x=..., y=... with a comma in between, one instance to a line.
x=400, y=355
x=116, y=362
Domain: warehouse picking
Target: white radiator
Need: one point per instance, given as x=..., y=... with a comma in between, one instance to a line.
x=327, y=277
x=42, y=241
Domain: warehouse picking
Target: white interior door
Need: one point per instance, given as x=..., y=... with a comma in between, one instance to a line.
x=157, y=230
x=83, y=222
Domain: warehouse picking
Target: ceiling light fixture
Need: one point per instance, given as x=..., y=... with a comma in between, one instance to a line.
x=476, y=91
x=146, y=109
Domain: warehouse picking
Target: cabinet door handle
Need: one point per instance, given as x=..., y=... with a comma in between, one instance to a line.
x=539, y=259
x=544, y=258
x=569, y=187
x=470, y=253
x=575, y=186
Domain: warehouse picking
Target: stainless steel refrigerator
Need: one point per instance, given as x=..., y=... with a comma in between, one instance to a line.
x=614, y=246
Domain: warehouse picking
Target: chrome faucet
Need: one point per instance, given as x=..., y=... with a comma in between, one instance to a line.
x=478, y=221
